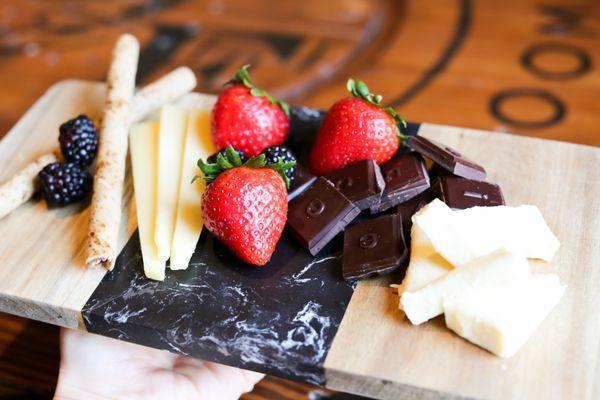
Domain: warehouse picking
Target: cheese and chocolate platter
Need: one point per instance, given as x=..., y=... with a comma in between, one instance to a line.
x=346, y=248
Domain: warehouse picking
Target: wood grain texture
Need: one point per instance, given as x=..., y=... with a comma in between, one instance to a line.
x=43, y=276
x=44, y=42
x=379, y=353
x=438, y=61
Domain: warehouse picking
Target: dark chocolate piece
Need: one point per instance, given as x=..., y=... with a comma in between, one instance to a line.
x=447, y=158
x=301, y=182
x=319, y=214
x=436, y=171
x=373, y=247
x=362, y=183
x=407, y=209
x=460, y=193
x=405, y=177
x=411, y=129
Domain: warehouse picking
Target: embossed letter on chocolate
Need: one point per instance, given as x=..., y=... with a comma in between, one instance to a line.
x=405, y=177
x=460, y=193
x=373, y=247
x=447, y=158
x=319, y=214
x=362, y=183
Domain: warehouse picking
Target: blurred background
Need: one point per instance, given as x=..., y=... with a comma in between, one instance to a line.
x=526, y=67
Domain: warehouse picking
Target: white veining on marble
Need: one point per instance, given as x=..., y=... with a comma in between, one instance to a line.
x=280, y=324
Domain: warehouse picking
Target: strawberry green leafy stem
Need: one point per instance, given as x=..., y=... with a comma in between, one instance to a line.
x=360, y=90
x=242, y=77
x=232, y=159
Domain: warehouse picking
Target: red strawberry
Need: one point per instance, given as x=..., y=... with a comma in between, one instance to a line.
x=245, y=206
x=356, y=128
x=247, y=117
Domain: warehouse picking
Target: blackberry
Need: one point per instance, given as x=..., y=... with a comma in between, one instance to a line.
x=79, y=140
x=64, y=183
x=213, y=158
x=274, y=153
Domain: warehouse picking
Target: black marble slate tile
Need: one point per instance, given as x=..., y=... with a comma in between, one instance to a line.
x=279, y=319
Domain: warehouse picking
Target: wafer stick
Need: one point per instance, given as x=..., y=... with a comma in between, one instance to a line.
x=18, y=189
x=110, y=168
x=162, y=91
x=166, y=89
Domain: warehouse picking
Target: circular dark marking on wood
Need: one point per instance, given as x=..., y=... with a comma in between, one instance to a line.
x=460, y=33
x=503, y=96
x=528, y=60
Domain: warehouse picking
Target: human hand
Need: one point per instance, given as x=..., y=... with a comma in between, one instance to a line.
x=95, y=367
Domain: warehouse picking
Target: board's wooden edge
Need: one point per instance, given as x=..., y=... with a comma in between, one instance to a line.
x=337, y=378
x=429, y=127
x=28, y=120
x=14, y=155
x=381, y=388
x=68, y=313
x=340, y=374
x=50, y=314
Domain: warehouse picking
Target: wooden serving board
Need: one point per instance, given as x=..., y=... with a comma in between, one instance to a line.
x=296, y=317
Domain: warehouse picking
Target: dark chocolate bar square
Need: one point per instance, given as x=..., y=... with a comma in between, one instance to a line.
x=460, y=193
x=319, y=214
x=447, y=158
x=362, y=183
x=405, y=176
x=373, y=247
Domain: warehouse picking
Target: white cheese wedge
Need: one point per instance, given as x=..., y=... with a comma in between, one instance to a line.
x=189, y=223
x=502, y=319
x=425, y=265
x=497, y=268
x=170, y=153
x=463, y=235
x=144, y=154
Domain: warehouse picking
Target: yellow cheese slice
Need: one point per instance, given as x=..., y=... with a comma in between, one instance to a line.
x=144, y=154
x=494, y=269
x=425, y=265
x=463, y=235
x=502, y=319
x=189, y=223
x=170, y=151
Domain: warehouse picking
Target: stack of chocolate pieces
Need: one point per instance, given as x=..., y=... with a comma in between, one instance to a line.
x=446, y=158
x=457, y=181
x=405, y=177
x=378, y=245
x=362, y=183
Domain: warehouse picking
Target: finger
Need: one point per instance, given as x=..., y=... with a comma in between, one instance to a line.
x=217, y=381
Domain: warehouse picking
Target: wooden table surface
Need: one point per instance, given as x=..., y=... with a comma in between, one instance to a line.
x=525, y=67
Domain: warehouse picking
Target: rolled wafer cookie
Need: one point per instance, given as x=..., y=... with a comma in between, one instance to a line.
x=110, y=165
x=148, y=99
x=162, y=91
x=18, y=189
